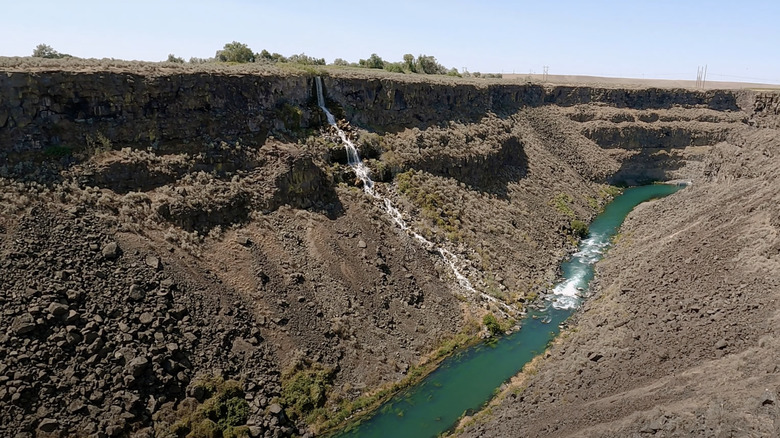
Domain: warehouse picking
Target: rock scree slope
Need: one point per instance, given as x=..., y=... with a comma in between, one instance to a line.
x=681, y=336
x=188, y=252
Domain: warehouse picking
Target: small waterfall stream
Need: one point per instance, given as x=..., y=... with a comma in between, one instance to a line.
x=363, y=173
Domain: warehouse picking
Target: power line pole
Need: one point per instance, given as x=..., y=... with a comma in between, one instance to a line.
x=704, y=78
x=698, y=76
x=701, y=77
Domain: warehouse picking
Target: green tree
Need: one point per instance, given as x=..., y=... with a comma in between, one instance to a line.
x=174, y=58
x=428, y=65
x=306, y=60
x=235, y=52
x=409, y=64
x=46, y=51
x=373, y=61
x=341, y=62
x=492, y=324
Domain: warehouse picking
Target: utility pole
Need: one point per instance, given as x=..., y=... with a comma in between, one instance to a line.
x=698, y=77
x=704, y=78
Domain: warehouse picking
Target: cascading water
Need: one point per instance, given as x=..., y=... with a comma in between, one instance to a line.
x=466, y=381
x=362, y=172
x=578, y=270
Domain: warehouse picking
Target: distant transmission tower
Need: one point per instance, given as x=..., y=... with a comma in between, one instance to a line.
x=545, y=70
x=704, y=77
x=701, y=76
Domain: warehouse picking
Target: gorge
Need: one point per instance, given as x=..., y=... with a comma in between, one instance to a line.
x=177, y=240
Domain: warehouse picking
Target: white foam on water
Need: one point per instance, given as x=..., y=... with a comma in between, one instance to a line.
x=568, y=293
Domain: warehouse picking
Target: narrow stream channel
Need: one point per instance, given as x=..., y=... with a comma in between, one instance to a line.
x=467, y=380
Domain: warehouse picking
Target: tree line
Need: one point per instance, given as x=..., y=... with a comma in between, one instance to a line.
x=236, y=52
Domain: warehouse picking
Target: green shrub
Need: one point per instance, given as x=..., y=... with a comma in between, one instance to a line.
x=57, y=152
x=561, y=203
x=204, y=429
x=305, y=60
x=606, y=191
x=490, y=321
x=304, y=390
x=174, y=58
x=235, y=52
x=579, y=228
x=394, y=67
x=223, y=414
x=291, y=116
x=446, y=216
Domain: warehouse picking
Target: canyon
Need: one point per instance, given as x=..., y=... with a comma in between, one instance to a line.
x=175, y=240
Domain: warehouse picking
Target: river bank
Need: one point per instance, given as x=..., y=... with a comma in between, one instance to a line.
x=681, y=337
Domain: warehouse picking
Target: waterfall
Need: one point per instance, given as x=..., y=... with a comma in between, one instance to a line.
x=362, y=172
x=321, y=101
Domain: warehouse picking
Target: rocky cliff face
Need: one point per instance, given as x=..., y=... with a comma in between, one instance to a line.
x=681, y=338
x=43, y=109
x=69, y=109
x=228, y=240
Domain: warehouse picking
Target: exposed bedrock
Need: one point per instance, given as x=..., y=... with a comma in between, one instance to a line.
x=200, y=226
x=656, y=136
x=681, y=337
x=43, y=109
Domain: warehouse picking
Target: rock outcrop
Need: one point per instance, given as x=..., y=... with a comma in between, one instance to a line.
x=177, y=241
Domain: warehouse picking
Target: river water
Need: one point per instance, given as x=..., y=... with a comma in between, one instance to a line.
x=468, y=379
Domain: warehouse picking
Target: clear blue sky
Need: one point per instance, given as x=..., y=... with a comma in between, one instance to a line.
x=665, y=39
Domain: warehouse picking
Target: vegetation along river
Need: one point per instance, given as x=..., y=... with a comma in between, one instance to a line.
x=468, y=379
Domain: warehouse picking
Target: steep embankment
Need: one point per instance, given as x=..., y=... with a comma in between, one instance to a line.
x=681, y=338
x=162, y=232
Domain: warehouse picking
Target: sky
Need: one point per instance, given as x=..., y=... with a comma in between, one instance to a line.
x=665, y=39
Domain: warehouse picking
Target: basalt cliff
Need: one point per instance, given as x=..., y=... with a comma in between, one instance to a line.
x=187, y=253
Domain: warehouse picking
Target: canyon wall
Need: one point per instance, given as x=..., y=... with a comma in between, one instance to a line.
x=161, y=255
x=60, y=108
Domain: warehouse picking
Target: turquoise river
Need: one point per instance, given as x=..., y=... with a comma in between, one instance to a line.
x=467, y=380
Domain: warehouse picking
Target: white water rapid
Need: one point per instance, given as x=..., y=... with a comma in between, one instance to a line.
x=362, y=172
x=568, y=294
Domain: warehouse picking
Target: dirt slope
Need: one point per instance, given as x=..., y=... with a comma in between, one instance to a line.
x=682, y=336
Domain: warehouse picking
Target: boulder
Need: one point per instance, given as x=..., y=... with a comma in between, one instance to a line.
x=57, y=309
x=137, y=366
x=23, y=324
x=275, y=409
x=48, y=425
x=137, y=293
x=110, y=251
x=153, y=261
x=146, y=318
